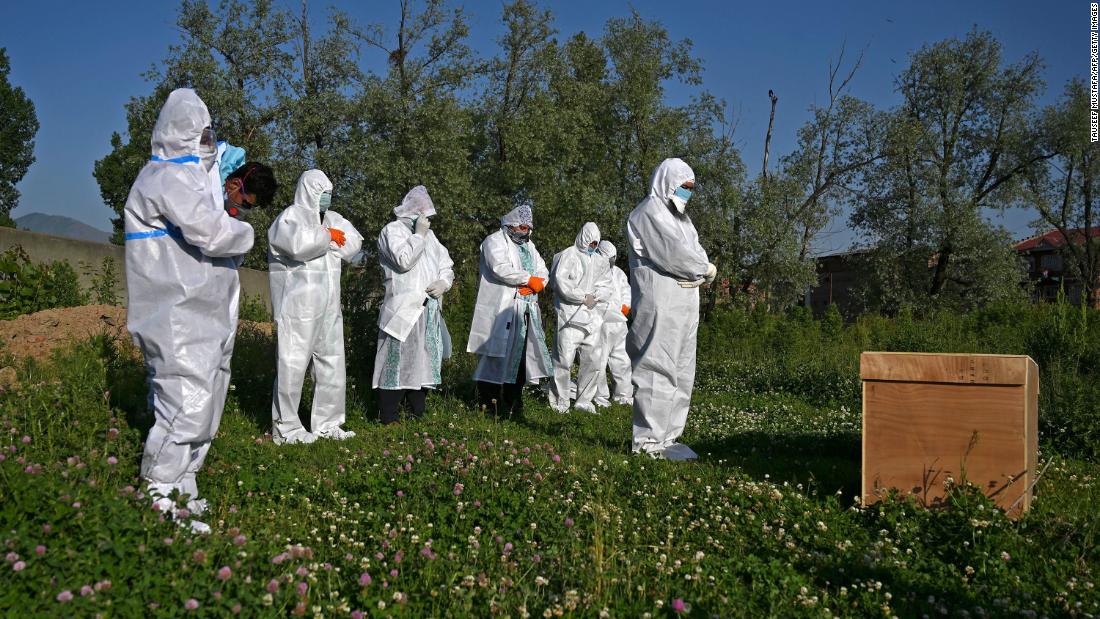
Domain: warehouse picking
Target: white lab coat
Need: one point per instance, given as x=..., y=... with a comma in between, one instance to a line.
x=304, y=267
x=505, y=320
x=576, y=274
x=664, y=250
x=613, y=345
x=412, y=335
x=181, y=255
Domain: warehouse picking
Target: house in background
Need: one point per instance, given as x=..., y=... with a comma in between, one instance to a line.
x=1046, y=267
x=837, y=275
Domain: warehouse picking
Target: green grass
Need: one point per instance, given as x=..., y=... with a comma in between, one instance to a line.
x=459, y=515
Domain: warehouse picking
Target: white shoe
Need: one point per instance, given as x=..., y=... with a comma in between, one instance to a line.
x=195, y=526
x=586, y=408
x=602, y=402
x=197, y=506
x=302, y=437
x=625, y=401
x=337, y=434
x=678, y=452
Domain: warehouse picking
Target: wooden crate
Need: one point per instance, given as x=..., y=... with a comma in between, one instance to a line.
x=927, y=417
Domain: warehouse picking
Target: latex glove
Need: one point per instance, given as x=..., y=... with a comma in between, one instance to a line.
x=436, y=288
x=712, y=272
x=422, y=225
x=337, y=236
x=525, y=290
x=693, y=284
x=626, y=310
x=590, y=301
x=536, y=284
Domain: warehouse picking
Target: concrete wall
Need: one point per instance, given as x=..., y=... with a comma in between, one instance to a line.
x=87, y=257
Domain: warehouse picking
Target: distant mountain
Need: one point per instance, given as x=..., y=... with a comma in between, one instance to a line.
x=59, y=225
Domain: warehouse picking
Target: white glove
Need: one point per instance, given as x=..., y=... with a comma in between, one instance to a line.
x=436, y=288
x=422, y=225
x=712, y=272
x=693, y=284
x=590, y=301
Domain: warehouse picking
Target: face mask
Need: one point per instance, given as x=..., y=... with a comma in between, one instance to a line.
x=519, y=238
x=237, y=212
x=325, y=201
x=590, y=250
x=680, y=198
x=412, y=223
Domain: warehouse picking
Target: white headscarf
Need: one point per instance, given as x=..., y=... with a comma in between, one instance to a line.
x=417, y=203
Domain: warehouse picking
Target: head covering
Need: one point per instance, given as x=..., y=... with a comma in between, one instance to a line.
x=589, y=232
x=311, y=184
x=417, y=203
x=179, y=125
x=668, y=177
x=518, y=216
x=607, y=250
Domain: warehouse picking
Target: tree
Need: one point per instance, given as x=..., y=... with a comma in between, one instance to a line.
x=1064, y=188
x=18, y=126
x=951, y=151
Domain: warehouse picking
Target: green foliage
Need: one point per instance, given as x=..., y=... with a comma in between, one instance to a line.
x=459, y=515
x=253, y=308
x=104, y=282
x=26, y=287
x=956, y=146
x=18, y=126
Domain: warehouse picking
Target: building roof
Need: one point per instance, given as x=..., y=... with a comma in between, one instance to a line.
x=1054, y=239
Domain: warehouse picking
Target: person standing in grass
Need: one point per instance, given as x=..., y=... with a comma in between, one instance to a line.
x=667, y=266
x=308, y=245
x=613, y=355
x=182, y=251
x=413, y=339
x=507, y=332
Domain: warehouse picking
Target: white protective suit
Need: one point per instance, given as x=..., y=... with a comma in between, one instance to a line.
x=413, y=339
x=613, y=343
x=304, y=270
x=503, y=318
x=182, y=285
x=577, y=274
x=664, y=251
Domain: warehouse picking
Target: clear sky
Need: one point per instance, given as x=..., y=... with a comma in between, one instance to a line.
x=81, y=61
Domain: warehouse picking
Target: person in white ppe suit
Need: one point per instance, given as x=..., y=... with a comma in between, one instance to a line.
x=667, y=265
x=308, y=244
x=507, y=331
x=613, y=355
x=413, y=339
x=181, y=255
x=576, y=277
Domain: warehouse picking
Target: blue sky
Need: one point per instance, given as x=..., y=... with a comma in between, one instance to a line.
x=81, y=61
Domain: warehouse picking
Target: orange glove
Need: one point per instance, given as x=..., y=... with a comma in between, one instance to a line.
x=337, y=236
x=536, y=284
x=525, y=290
x=626, y=310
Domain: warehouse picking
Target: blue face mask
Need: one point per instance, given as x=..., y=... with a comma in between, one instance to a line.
x=683, y=193
x=590, y=250
x=325, y=201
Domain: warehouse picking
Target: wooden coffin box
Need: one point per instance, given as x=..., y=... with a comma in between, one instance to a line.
x=927, y=417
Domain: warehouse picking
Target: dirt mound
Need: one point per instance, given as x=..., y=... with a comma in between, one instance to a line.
x=38, y=335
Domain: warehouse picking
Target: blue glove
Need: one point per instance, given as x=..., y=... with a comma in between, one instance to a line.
x=232, y=158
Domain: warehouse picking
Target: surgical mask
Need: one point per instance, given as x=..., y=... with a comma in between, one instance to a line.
x=680, y=198
x=519, y=238
x=590, y=250
x=325, y=201
x=412, y=223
